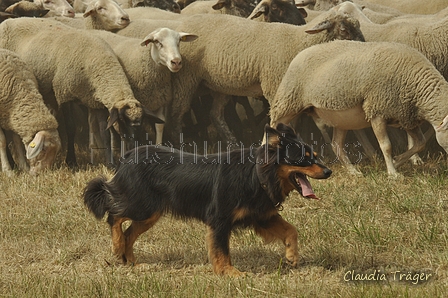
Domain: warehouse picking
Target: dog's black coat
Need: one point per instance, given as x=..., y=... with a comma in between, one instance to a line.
x=239, y=188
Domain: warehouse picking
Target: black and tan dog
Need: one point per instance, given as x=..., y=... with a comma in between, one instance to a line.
x=242, y=188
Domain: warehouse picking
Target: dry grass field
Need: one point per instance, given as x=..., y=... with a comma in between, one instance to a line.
x=392, y=231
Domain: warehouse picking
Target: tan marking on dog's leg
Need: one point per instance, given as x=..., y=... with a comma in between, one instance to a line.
x=220, y=261
x=118, y=240
x=131, y=234
x=287, y=233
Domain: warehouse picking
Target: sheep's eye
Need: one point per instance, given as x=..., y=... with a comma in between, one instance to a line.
x=47, y=2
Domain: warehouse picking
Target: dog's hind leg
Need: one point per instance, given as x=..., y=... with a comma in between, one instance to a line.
x=277, y=228
x=118, y=240
x=218, y=253
x=131, y=234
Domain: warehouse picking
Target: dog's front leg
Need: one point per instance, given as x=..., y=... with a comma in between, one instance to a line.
x=218, y=252
x=278, y=228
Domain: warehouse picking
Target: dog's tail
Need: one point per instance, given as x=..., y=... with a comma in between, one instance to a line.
x=96, y=197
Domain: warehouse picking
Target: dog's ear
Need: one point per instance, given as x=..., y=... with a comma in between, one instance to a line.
x=272, y=136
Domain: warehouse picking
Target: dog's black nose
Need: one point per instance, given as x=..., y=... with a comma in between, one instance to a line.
x=327, y=172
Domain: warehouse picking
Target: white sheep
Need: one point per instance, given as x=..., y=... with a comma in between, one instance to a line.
x=353, y=85
x=148, y=64
x=100, y=15
x=408, y=6
x=241, y=8
x=236, y=56
x=69, y=65
x=56, y=8
x=25, y=113
x=151, y=13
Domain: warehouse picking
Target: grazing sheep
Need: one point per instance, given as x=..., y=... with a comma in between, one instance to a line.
x=27, y=9
x=281, y=11
x=70, y=64
x=25, y=113
x=100, y=15
x=148, y=64
x=240, y=8
x=238, y=60
x=379, y=84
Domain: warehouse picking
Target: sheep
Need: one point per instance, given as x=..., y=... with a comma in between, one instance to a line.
x=282, y=11
x=148, y=64
x=152, y=13
x=6, y=15
x=69, y=64
x=365, y=84
x=56, y=8
x=27, y=9
x=100, y=15
x=319, y=4
x=408, y=6
x=241, y=8
x=238, y=60
x=25, y=113
x=168, y=5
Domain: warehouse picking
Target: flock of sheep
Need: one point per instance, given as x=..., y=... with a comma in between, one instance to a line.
x=350, y=65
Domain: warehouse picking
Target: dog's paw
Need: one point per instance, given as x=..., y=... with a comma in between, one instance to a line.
x=233, y=272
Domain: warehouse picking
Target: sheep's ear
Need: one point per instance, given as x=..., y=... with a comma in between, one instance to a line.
x=42, y=12
x=113, y=117
x=35, y=146
x=303, y=12
x=220, y=4
x=258, y=12
x=148, y=39
x=305, y=2
x=443, y=125
x=320, y=27
x=90, y=9
x=187, y=37
x=153, y=118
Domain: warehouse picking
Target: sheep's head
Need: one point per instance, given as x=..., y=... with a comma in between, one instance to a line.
x=108, y=14
x=128, y=114
x=240, y=8
x=339, y=26
x=279, y=11
x=57, y=8
x=165, y=47
x=442, y=133
x=168, y=5
x=42, y=150
x=27, y=9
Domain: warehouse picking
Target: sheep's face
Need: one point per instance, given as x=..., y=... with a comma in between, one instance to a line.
x=42, y=150
x=108, y=13
x=57, y=8
x=165, y=47
x=442, y=134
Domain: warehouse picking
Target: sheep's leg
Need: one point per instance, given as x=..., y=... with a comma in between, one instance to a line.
x=70, y=128
x=6, y=167
x=415, y=159
x=339, y=149
x=365, y=143
x=98, y=141
x=418, y=145
x=379, y=127
x=323, y=129
x=217, y=116
x=18, y=153
x=161, y=113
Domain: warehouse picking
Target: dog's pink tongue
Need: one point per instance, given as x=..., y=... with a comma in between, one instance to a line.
x=307, y=190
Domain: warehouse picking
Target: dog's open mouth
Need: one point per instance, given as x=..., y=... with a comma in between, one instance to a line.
x=303, y=186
